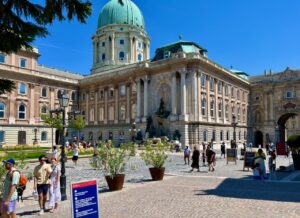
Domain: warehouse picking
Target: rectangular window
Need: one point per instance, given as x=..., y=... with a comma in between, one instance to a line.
x=212, y=84
x=101, y=94
x=23, y=62
x=220, y=87
x=203, y=80
x=220, y=109
x=111, y=93
x=221, y=136
x=103, y=44
x=2, y=58
x=167, y=54
x=44, y=136
x=226, y=90
x=289, y=94
x=2, y=136
x=122, y=42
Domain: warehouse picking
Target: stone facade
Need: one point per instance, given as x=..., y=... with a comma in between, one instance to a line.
x=37, y=91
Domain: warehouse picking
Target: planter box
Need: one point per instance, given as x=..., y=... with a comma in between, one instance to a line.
x=296, y=160
x=115, y=183
x=157, y=174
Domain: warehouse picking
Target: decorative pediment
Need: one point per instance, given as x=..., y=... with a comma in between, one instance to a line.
x=289, y=105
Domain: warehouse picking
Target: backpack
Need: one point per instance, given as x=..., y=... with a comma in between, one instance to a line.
x=23, y=179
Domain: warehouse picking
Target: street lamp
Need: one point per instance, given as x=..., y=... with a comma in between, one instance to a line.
x=63, y=102
x=234, y=124
x=35, y=140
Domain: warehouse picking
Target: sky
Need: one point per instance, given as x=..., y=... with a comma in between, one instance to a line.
x=248, y=35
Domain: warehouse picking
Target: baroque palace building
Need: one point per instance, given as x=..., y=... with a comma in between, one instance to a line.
x=180, y=90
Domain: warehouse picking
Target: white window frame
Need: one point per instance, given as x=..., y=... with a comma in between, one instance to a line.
x=20, y=62
x=19, y=89
x=4, y=110
x=22, y=112
x=3, y=132
x=45, y=132
x=42, y=92
x=286, y=94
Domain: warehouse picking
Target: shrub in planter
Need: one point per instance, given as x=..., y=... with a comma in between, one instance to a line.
x=294, y=143
x=155, y=156
x=111, y=161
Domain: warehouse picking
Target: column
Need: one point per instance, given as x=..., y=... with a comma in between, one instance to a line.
x=138, y=104
x=208, y=99
x=95, y=51
x=145, y=99
x=216, y=102
x=266, y=107
x=105, y=105
x=183, y=96
x=174, y=96
x=112, y=48
x=87, y=112
x=223, y=103
x=116, y=92
x=32, y=106
x=131, y=49
x=199, y=97
x=128, y=105
x=96, y=107
x=13, y=107
x=194, y=96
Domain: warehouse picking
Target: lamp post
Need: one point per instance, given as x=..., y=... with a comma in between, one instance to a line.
x=35, y=141
x=234, y=124
x=63, y=102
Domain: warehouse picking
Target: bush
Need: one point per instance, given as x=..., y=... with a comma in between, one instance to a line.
x=155, y=155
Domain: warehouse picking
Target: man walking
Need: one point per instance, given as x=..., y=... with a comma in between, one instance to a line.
x=187, y=155
x=10, y=194
x=41, y=175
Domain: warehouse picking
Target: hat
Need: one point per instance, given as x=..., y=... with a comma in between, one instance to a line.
x=9, y=161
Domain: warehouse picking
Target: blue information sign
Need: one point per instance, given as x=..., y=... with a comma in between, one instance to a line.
x=85, y=199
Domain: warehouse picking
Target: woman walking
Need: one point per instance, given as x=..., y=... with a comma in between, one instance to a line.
x=211, y=159
x=54, y=190
x=195, y=160
x=75, y=154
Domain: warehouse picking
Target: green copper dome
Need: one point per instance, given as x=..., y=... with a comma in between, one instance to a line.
x=121, y=12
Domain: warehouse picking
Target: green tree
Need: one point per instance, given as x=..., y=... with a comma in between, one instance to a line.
x=77, y=123
x=6, y=86
x=21, y=22
x=54, y=122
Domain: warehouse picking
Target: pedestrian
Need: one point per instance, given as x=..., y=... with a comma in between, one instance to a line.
x=10, y=194
x=195, y=160
x=272, y=165
x=211, y=159
x=187, y=155
x=54, y=153
x=75, y=154
x=260, y=158
x=41, y=175
x=55, y=195
x=223, y=146
x=203, y=153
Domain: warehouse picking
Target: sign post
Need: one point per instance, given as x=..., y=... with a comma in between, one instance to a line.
x=231, y=154
x=85, y=202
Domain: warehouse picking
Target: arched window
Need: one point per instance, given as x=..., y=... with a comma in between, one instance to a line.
x=44, y=92
x=122, y=112
x=103, y=57
x=227, y=136
x=22, y=111
x=122, y=56
x=140, y=57
x=205, y=135
x=214, y=135
x=133, y=111
x=59, y=94
x=44, y=110
x=221, y=135
x=44, y=136
x=22, y=88
x=212, y=108
x=2, y=110
x=73, y=96
x=203, y=106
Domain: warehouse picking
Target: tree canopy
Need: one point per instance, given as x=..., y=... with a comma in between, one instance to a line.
x=54, y=122
x=77, y=123
x=6, y=86
x=22, y=21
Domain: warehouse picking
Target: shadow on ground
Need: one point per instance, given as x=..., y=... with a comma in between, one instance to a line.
x=256, y=190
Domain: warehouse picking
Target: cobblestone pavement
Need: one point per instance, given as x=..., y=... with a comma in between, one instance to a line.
x=227, y=192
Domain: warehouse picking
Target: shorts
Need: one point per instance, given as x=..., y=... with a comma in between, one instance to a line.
x=11, y=207
x=42, y=188
x=75, y=158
